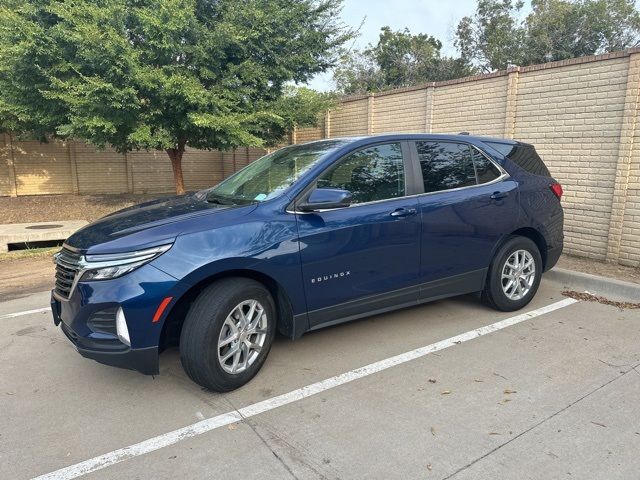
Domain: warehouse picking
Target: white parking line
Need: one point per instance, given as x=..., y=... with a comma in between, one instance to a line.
x=26, y=312
x=170, y=438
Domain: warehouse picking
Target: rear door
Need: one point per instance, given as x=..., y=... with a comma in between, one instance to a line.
x=469, y=204
x=365, y=257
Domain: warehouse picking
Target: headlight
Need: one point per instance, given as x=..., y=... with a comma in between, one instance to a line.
x=113, y=265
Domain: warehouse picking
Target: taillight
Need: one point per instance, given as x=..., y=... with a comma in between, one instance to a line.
x=556, y=188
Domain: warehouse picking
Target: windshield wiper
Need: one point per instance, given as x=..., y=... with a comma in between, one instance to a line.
x=219, y=199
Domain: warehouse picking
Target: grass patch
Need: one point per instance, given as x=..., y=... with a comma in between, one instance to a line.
x=28, y=253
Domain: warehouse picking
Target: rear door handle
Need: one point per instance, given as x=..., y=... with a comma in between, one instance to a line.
x=403, y=212
x=499, y=195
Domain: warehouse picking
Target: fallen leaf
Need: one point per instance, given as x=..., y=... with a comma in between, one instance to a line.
x=590, y=297
x=508, y=392
x=172, y=457
x=433, y=431
x=429, y=467
x=494, y=433
x=599, y=424
x=432, y=380
x=506, y=400
x=10, y=393
x=233, y=426
x=445, y=392
x=477, y=380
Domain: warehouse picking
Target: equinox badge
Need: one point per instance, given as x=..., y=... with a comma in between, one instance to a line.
x=331, y=276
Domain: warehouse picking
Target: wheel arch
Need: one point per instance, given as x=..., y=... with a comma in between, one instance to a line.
x=537, y=238
x=174, y=319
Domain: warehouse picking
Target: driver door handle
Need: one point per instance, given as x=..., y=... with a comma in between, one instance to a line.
x=403, y=212
x=499, y=195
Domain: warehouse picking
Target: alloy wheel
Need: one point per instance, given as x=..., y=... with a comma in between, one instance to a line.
x=242, y=336
x=518, y=274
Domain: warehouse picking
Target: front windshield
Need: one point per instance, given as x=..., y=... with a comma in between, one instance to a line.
x=268, y=176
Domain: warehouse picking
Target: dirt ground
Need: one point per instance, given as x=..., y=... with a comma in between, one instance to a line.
x=586, y=265
x=19, y=278
x=48, y=208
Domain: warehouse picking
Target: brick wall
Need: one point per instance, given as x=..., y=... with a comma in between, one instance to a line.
x=581, y=114
x=34, y=168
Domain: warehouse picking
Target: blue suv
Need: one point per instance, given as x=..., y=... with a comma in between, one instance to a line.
x=308, y=236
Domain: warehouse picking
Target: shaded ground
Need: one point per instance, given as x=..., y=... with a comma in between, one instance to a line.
x=47, y=208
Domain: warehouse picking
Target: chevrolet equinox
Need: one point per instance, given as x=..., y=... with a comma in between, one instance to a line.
x=308, y=236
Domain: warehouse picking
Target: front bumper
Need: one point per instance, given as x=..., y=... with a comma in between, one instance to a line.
x=108, y=351
x=87, y=318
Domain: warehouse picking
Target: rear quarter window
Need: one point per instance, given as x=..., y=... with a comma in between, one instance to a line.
x=525, y=156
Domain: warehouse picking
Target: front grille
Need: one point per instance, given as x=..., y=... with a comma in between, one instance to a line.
x=67, y=266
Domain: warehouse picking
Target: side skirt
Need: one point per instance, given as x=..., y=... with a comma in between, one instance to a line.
x=462, y=284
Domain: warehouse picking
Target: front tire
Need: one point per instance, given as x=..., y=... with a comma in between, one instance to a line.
x=514, y=275
x=227, y=334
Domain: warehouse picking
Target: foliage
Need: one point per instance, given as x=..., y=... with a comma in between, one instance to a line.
x=298, y=106
x=496, y=36
x=492, y=38
x=399, y=59
x=164, y=74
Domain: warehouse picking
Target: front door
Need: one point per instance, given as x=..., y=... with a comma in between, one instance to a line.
x=364, y=257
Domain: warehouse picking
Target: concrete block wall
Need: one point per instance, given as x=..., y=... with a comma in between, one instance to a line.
x=56, y=167
x=97, y=171
x=478, y=107
x=349, y=118
x=400, y=112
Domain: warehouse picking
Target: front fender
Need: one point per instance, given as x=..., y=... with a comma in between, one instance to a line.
x=261, y=245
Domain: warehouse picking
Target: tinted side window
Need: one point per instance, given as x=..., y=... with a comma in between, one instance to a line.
x=445, y=165
x=525, y=156
x=374, y=173
x=486, y=171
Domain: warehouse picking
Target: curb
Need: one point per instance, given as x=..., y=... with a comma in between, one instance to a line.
x=609, y=287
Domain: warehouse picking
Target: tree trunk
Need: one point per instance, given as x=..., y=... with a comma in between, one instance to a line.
x=175, y=154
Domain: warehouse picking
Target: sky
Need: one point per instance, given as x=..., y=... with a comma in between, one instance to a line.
x=434, y=17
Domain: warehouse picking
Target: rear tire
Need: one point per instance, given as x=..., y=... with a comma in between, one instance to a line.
x=514, y=275
x=222, y=331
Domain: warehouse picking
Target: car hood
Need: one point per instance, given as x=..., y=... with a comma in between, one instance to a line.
x=144, y=225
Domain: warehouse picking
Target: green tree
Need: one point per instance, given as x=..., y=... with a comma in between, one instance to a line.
x=164, y=74
x=497, y=37
x=399, y=59
x=558, y=29
x=492, y=38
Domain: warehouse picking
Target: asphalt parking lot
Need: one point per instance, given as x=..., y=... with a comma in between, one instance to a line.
x=555, y=395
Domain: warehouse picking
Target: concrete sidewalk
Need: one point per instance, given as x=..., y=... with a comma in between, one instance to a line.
x=17, y=233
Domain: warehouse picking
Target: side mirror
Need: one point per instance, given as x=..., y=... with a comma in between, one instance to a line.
x=326, y=198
